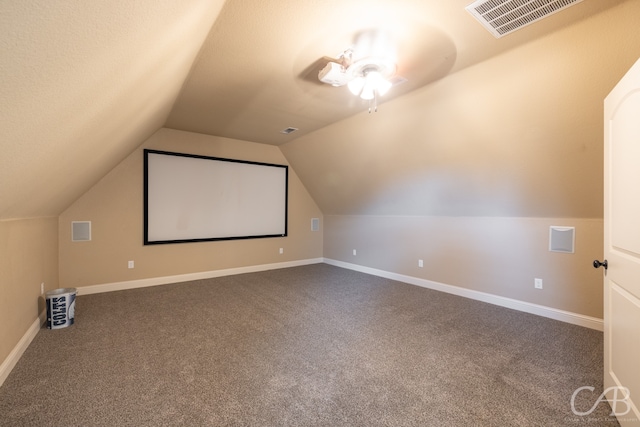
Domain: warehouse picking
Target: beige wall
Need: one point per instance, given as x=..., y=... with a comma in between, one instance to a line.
x=499, y=256
x=115, y=208
x=28, y=257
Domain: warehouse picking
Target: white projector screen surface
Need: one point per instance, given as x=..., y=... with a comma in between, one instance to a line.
x=190, y=198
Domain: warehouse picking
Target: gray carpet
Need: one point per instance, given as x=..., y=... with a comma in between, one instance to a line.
x=308, y=346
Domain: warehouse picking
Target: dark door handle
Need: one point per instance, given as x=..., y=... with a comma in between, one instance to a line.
x=598, y=264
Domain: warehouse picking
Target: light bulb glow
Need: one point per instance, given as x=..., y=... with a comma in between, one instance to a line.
x=367, y=92
x=367, y=87
x=356, y=85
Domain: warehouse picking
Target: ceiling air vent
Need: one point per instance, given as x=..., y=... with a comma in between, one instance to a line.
x=288, y=130
x=502, y=17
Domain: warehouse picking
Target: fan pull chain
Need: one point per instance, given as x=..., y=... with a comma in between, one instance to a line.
x=374, y=101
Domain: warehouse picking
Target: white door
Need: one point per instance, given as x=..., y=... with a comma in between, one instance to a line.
x=622, y=248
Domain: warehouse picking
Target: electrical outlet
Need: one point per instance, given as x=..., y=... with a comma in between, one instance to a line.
x=354, y=252
x=420, y=263
x=281, y=251
x=41, y=288
x=131, y=264
x=537, y=283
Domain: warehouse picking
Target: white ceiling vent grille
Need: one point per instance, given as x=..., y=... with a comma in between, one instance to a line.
x=502, y=17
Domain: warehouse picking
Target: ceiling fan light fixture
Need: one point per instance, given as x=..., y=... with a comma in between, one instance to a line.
x=367, y=67
x=356, y=85
x=368, y=92
x=378, y=83
x=371, y=84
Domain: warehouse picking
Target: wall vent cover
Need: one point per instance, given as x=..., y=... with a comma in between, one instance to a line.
x=80, y=231
x=502, y=17
x=562, y=239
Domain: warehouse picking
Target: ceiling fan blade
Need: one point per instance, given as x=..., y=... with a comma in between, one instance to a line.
x=310, y=73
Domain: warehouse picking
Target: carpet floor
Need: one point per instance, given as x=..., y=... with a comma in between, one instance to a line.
x=315, y=345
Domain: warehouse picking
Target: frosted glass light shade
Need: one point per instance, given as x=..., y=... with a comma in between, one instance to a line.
x=368, y=86
x=367, y=92
x=378, y=82
x=356, y=85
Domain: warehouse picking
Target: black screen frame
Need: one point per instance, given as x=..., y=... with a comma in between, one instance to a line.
x=146, y=213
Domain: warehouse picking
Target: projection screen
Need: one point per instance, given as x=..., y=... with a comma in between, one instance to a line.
x=192, y=198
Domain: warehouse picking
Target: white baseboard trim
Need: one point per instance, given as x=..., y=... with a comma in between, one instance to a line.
x=155, y=281
x=15, y=355
x=527, y=307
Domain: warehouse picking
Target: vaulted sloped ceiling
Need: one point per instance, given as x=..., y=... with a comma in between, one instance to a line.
x=519, y=135
x=258, y=70
x=82, y=84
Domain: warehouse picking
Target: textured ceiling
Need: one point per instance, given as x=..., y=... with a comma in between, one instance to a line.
x=257, y=71
x=82, y=84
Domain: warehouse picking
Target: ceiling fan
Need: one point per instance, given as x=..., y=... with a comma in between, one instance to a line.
x=368, y=68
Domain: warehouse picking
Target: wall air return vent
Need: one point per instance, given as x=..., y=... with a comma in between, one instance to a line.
x=80, y=231
x=502, y=17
